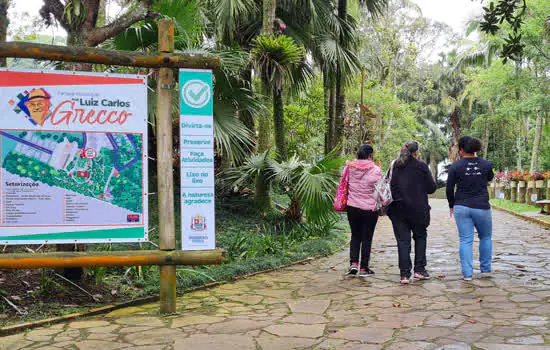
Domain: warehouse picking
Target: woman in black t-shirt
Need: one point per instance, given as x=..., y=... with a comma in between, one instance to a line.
x=470, y=204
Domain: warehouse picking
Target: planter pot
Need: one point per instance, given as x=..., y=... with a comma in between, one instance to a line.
x=513, y=191
x=530, y=192
x=539, y=184
x=522, y=191
x=507, y=193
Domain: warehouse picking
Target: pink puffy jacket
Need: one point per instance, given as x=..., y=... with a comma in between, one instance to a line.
x=363, y=176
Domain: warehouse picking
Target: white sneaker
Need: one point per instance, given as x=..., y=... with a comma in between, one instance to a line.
x=485, y=275
x=467, y=278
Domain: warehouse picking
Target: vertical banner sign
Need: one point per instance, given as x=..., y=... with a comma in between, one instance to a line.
x=74, y=157
x=197, y=159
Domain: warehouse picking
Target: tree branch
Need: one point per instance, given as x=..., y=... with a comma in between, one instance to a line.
x=141, y=11
x=55, y=8
x=92, y=11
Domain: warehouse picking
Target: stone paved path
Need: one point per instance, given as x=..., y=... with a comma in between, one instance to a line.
x=313, y=307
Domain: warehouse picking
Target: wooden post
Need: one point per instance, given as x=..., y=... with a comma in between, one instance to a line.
x=164, y=169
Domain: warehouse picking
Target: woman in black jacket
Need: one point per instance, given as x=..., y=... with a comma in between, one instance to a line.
x=409, y=212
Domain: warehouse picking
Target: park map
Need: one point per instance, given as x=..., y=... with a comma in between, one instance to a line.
x=105, y=166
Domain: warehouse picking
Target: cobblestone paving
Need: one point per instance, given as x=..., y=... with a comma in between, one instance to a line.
x=314, y=307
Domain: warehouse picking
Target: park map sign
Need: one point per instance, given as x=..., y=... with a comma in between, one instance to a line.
x=73, y=151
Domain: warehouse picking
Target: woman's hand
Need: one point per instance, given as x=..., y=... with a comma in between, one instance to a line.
x=452, y=212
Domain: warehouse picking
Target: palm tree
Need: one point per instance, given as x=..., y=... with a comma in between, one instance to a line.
x=310, y=187
x=452, y=87
x=374, y=7
x=276, y=58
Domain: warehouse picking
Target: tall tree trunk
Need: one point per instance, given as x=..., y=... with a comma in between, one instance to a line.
x=331, y=122
x=340, y=88
x=536, y=145
x=268, y=19
x=328, y=114
x=279, y=123
x=487, y=130
x=4, y=22
x=520, y=118
x=433, y=165
x=262, y=196
x=245, y=115
x=455, y=125
x=518, y=146
x=361, y=108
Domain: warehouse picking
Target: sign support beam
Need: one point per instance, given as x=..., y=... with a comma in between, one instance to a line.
x=112, y=258
x=107, y=57
x=167, y=228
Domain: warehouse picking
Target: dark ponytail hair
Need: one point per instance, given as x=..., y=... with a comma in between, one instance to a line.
x=365, y=152
x=408, y=150
x=469, y=144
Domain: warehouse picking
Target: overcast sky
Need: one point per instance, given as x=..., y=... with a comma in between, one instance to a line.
x=453, y=12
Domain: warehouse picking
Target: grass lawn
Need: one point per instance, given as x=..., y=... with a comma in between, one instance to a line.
x=518, y=208
x=515, y=207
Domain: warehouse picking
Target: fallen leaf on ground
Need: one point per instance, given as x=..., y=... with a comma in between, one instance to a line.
x=479, y=300
x=442, y=276
x=396, y=305
x=520, y=266
x=468, y=315
x=472, y=321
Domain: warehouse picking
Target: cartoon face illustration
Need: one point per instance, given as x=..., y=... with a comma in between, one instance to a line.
x=38, y=105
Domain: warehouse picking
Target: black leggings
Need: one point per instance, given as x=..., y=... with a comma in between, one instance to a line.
x=362, y=224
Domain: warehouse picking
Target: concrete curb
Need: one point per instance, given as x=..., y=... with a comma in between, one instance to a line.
x=523, y=217
x=8, y=330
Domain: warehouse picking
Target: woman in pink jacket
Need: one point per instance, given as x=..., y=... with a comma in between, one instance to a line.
x=362, y=217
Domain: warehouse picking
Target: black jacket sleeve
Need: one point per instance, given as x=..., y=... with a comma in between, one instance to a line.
x=451, y=181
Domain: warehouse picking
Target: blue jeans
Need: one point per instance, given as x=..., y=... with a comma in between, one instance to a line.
x=466, y=219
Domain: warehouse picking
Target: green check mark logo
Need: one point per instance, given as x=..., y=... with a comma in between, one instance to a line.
x=196, y=93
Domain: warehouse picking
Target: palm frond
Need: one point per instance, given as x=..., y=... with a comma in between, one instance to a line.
x=374, y=7
x=230, y=16
x=316, y=193
x=286, y=172
x=253, y=166
x=233, y=138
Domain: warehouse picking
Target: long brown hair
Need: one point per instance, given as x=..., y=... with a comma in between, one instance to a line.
x=410, y=148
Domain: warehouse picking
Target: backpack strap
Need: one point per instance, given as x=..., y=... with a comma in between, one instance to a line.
x=391, y=169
